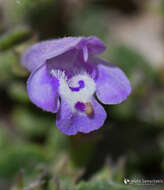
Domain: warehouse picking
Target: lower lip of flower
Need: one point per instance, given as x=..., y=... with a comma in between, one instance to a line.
x=77, y=91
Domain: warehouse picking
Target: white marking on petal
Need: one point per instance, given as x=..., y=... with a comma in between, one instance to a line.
x=72, y=97
x=85, y=53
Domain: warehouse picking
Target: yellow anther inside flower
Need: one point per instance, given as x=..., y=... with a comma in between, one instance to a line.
x=88, y=108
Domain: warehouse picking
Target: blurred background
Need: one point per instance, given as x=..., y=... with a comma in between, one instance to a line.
x=34, y=155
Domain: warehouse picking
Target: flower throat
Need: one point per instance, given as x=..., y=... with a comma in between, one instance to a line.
x=77, y=91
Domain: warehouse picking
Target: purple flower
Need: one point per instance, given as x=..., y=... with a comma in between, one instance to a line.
x=65, y=76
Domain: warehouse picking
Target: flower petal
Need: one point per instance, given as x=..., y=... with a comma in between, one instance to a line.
x=40, y=52
x=112, y=85
x=43, y=90
x=71, y=62
x=95, y=46
x=71, y=123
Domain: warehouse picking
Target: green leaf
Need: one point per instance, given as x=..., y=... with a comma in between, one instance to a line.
x=131, y=62
x=17, y=91
x=18, y=157
x=14, y=37
x=102, y=185
x=31, y=123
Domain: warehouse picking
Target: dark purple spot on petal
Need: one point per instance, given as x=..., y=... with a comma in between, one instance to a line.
x=81, y=85
x=75, y=89
x=80, y=106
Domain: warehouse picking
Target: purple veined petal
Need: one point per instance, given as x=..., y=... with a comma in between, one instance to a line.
x=68, y=62
x=43, y=90
x=40, y=52
x=71, y=62
x=71, y=123
x=112, y=85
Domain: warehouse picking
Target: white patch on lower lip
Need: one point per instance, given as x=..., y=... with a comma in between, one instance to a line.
x=72, y=97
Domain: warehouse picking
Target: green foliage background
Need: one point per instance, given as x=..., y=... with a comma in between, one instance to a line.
x=34, y=155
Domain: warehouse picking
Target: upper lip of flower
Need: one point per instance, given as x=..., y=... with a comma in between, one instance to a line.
x=52, y=48
x=68, y=67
